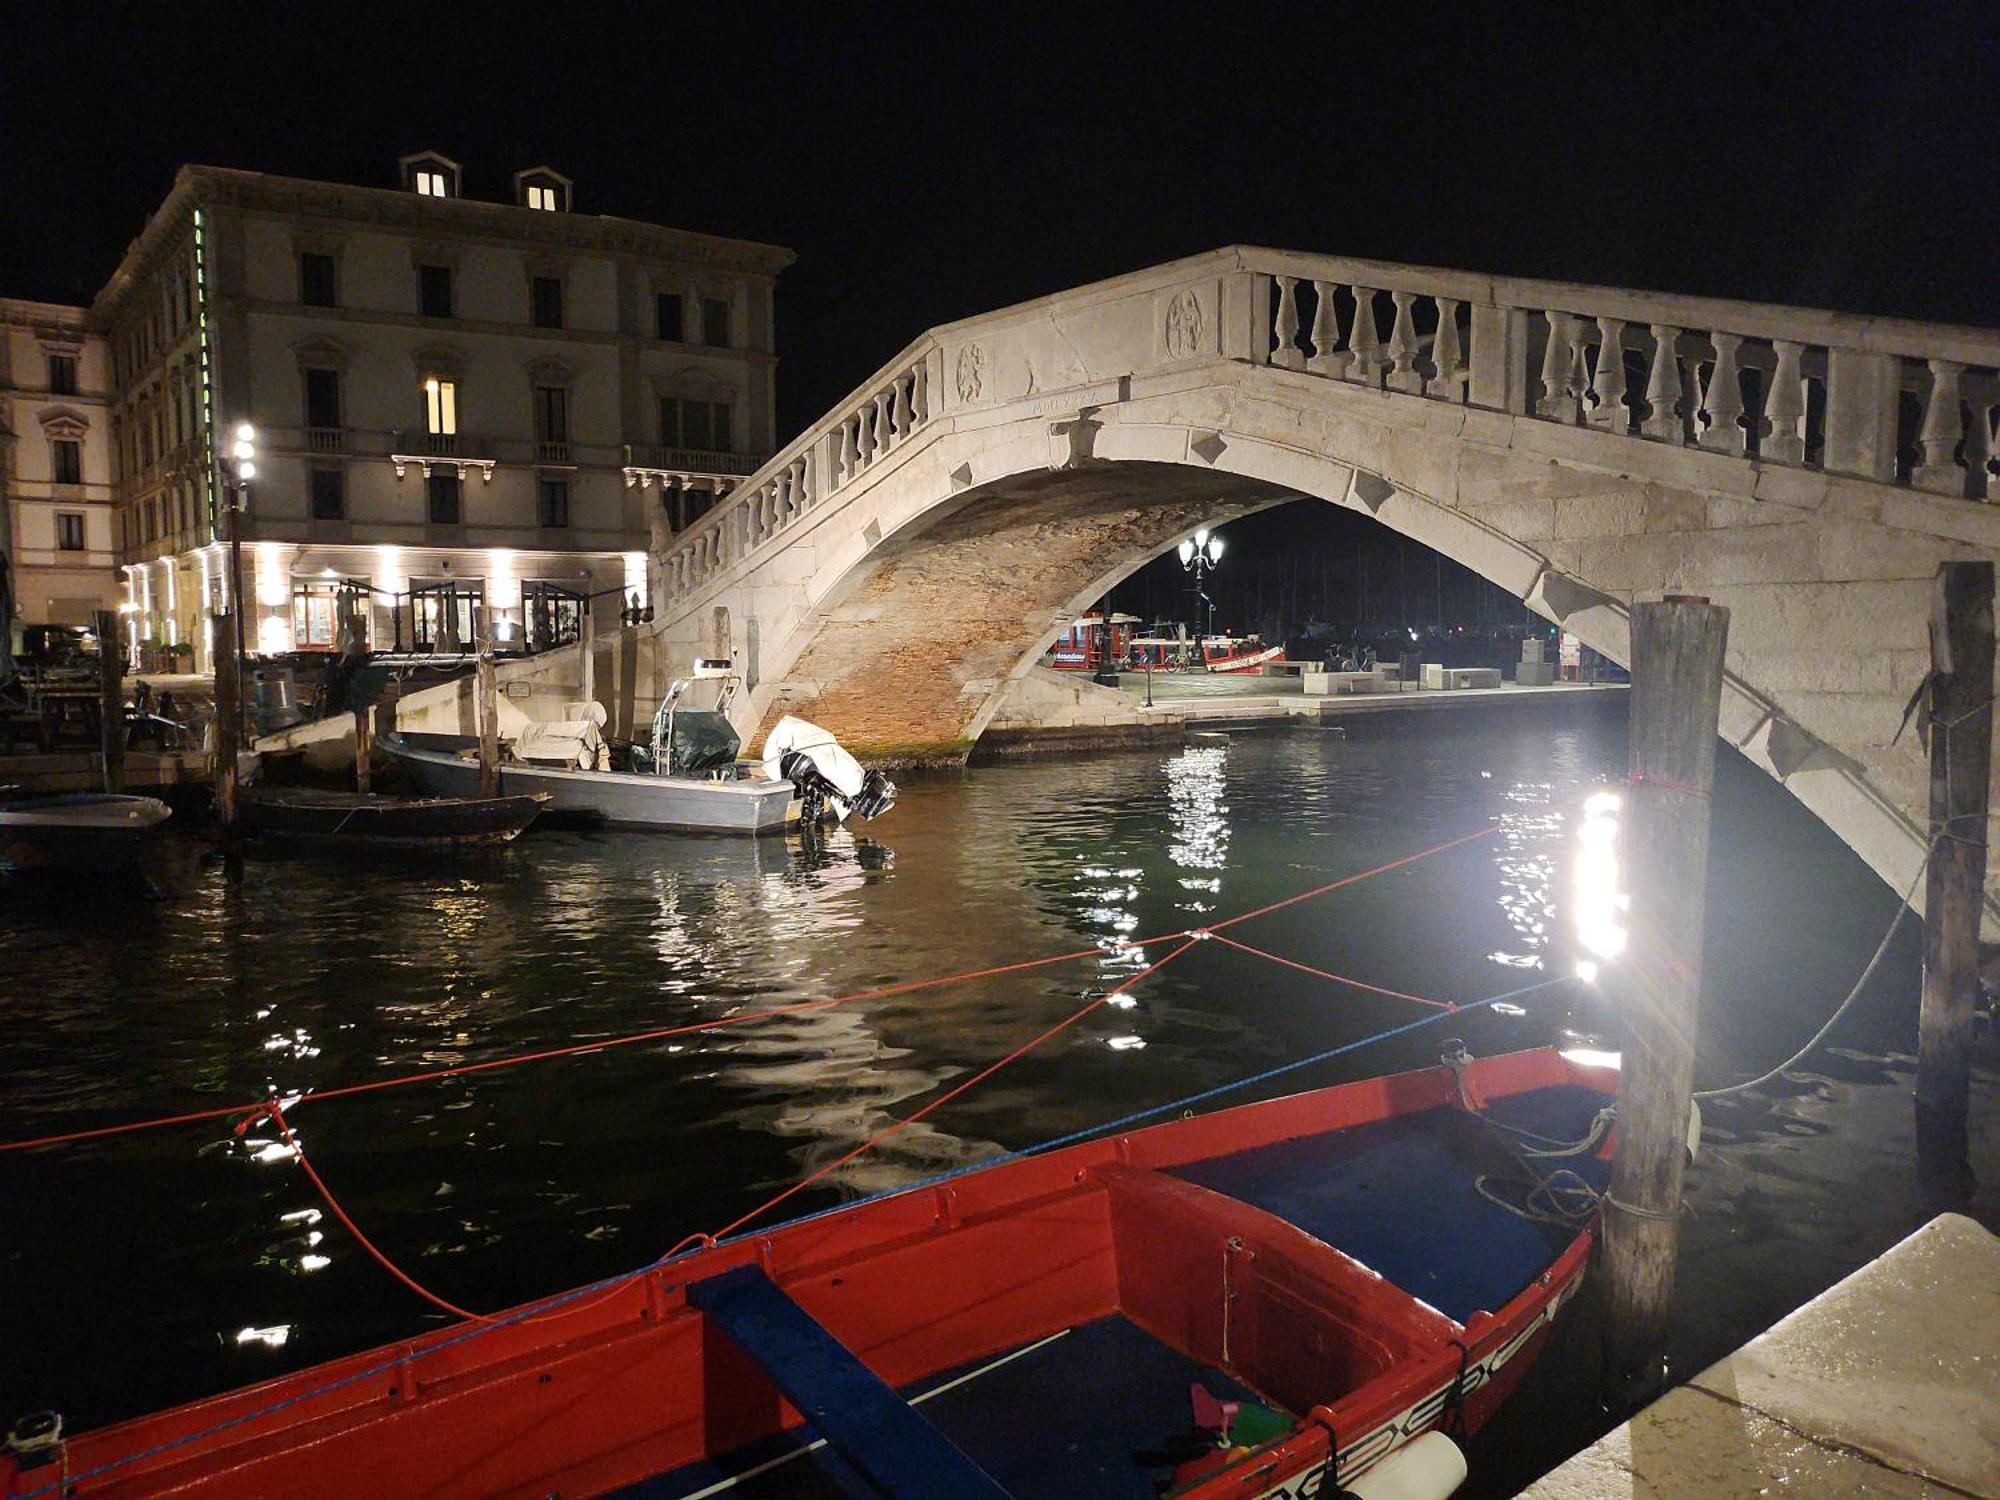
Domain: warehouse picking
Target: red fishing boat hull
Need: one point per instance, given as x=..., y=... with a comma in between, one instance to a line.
x=628, y=1381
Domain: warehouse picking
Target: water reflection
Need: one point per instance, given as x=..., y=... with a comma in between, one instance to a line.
x=509, y=1183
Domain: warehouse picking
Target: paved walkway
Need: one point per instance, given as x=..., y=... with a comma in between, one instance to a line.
x=1887, y=1383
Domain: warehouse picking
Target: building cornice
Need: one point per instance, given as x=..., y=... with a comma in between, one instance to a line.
x=412, y=213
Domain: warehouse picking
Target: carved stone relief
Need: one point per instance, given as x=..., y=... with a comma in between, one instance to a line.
x=1184, y=325
x=971, y=372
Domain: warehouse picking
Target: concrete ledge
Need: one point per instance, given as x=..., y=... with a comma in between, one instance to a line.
x=1885, y=1384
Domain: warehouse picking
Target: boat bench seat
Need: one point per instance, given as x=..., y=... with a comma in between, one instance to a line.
x=879, y=1433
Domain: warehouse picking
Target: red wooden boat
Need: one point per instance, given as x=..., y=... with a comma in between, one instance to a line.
x=1335, y=1264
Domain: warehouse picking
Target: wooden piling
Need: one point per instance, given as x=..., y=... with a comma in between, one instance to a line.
x=364, y=746
x=111, y=700
x=1961, y=736
x=1677, y=651
x=489, y=723
x=228, y=717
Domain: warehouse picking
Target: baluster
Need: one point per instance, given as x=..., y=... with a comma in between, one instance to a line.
x=1978, y=451
x=1363, y=342
x=850, y=457
x=1554, y=402
x=1785, y=407
x=808, y=480
x=864, y=438
x=920, y=391
x=1287, y=352
x=1447, y=357
x=1607, y=387
x=899, y=411
x=1663, y=388
x=1404, y=376
x=1722, y=398
x=1937, y=441
x=1326, y=360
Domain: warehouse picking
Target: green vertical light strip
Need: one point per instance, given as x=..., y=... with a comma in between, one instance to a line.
x=213, y=473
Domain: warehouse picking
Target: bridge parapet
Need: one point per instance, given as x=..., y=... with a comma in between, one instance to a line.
x=1894, y=401
x=1897, y=402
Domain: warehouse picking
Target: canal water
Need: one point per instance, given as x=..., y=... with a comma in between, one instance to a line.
x=154, y=1268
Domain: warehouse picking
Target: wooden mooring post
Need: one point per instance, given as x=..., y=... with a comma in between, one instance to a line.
x=489, y=722
x=111, y=700
x=228, y=717
x=1960, y=714
x=1677, y=651
x=364, y=747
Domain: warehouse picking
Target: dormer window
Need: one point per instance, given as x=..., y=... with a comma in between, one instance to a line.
x=542, y=188
x=431, y=176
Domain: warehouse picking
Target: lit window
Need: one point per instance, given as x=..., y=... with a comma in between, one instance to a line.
x=543, y=197
x=441, y=407
x=69, y=530
x=433, y=185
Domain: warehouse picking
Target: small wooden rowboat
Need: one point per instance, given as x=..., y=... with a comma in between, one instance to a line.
x=77, y=831
x=1267, y=1301
x=360, y=817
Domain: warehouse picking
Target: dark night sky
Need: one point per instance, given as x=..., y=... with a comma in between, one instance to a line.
x=929, y=163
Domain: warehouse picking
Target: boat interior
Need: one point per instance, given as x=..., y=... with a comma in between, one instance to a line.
x=1082, y=1340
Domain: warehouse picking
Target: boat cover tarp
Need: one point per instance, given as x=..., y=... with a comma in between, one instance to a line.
x=703, y=741
x=872, y=1427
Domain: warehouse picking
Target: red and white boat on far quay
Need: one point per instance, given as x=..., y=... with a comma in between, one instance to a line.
x=1095, y=643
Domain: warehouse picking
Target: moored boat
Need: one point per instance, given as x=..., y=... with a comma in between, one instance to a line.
x=308, y=813
x=79, y=831
x=1267, y=1301
x=448, y=766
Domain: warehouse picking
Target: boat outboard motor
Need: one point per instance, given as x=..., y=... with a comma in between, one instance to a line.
x=827, y=777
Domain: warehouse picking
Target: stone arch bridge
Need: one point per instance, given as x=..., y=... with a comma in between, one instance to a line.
x=895, y=572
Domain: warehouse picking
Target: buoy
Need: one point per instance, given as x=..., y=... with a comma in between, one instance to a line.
x=1430, y=1468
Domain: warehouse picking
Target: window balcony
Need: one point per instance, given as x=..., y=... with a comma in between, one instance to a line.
x=691, y=460
x=326, y=439
x=552, y=451
x=450, y=450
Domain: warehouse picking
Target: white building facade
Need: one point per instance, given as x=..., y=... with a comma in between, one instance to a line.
x=56, y=491
x=469, y=415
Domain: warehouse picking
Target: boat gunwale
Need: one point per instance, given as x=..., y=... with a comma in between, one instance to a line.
x=744, y=787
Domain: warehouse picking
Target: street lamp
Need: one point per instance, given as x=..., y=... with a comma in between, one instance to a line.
x=1199, y=555
x=238, y=469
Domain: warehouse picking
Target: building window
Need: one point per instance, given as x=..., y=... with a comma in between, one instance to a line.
x=703, y=425
x=552, y=502
x=69, y=530
x=62, y=374
x=433, y=184
x=440, y=407
x=667, y=309
x=329, y=495
x=551, y=414
x=316, y=288
x=434, y=291
x=67, y=455
x=441, y=495
x=548, y=301
x=322, y=398
x=542, y=197
x=715, y=322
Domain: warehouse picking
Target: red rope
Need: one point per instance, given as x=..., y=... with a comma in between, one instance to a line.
x=950, y=1094
x=1345, y=880
x=1359, y=984
x=1667, y=783
x=277, y=1113
x=459, y=1070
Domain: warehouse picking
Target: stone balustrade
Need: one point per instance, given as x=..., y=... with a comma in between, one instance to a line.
x=1902, y=403
x=862, y=431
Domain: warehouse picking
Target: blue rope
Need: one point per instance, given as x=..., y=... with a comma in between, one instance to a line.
x=533, y=1309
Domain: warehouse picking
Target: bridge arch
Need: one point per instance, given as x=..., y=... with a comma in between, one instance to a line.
x=904, y=561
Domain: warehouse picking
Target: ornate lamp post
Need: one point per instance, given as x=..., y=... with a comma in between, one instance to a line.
x=1199, y=556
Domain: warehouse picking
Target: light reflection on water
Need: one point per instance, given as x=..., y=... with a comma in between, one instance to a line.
x=505, y=1184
